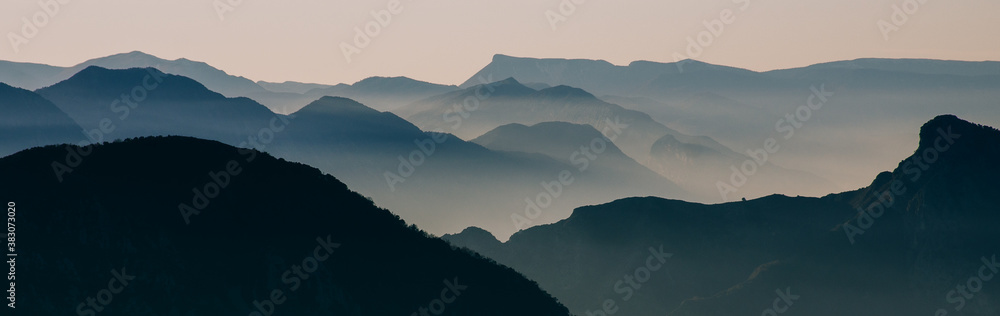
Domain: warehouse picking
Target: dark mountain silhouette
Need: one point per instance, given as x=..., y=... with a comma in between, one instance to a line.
x=928, y=228
x=213, y=78
x=344, y=255
x=147, y=102
x=475, y=238
x=28, y=120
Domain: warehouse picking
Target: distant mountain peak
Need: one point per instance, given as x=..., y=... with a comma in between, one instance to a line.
x=133, y=56
x=395, y=85
x=333, y=105
x=93, y=79
x=505, y=87
x=566, y=91
x=509, y=80
x=943, y=121
x=383, y=78
x=507, y=58
x=501, y=57
x=509, y=83
x=949, y=149
x=950, y=129
x=474, y=238
x=137, y=53
x=474, y=231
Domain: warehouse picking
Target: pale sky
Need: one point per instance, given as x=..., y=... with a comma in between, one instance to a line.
x=446, y=41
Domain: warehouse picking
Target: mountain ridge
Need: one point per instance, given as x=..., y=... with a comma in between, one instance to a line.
x=921, y=232
x=95, y=226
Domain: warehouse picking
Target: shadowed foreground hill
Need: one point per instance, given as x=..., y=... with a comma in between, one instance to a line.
x=920, y=240
x=273, y=225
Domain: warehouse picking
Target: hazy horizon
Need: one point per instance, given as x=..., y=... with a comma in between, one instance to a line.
x=422, y=37
x=820, y=158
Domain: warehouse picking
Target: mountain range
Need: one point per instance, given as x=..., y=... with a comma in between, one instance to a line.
x=866, y=124
x=599, y=182
x=898, y=246
x=385, y=93
x=664, y=150
x=377, y=153
x=690, y=97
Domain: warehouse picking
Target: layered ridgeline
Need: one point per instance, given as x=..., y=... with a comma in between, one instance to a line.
x=377, y=153
x=218, y=80
x=27, y=120
x=182, y=226
x=598, y=163
x=444, y=183
x=382, y=93
x=854, y=100
x=111, y=104
x=698, y=163
x=920, y=240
